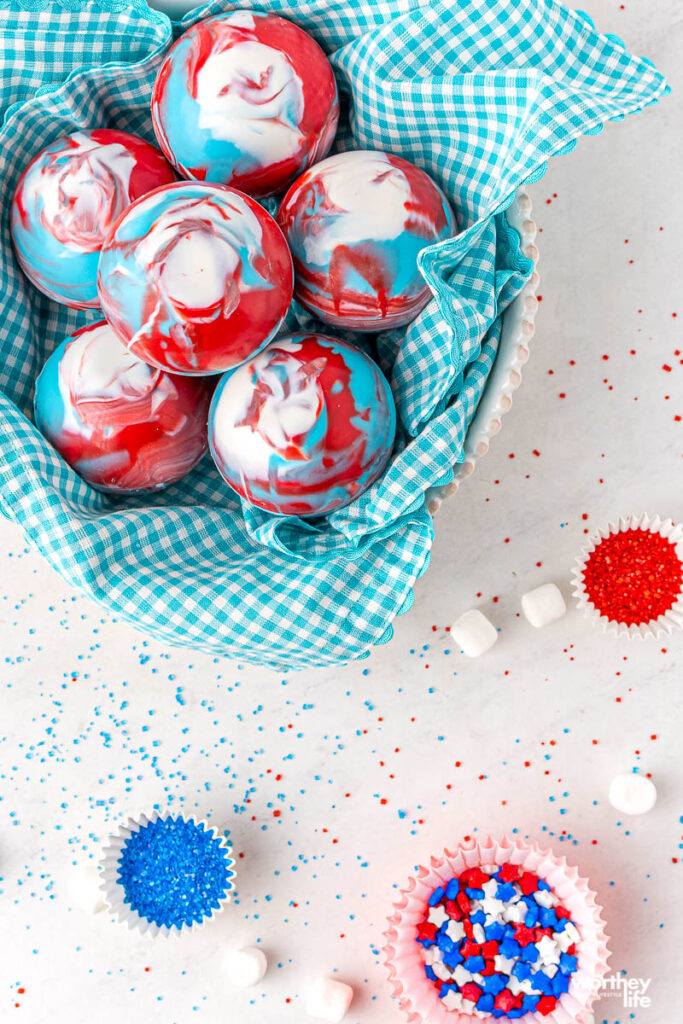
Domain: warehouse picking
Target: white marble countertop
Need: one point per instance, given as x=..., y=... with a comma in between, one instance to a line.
x=335, y=784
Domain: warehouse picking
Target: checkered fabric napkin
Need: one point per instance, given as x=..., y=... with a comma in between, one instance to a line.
x=478, y=92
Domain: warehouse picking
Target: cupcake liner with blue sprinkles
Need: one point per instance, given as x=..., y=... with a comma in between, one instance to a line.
x=167, y=873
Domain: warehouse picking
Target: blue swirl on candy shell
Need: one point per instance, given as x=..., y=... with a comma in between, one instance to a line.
x=356, y=224
x=304, y=427
x=232, y=246
x=268, y=109
x=121, y=424
x=103, y=170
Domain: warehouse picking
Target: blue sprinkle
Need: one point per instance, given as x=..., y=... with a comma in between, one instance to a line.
x=529, y=954
x=436, y=896
x=174, y=872
x=452, y=889
x=485, y=1003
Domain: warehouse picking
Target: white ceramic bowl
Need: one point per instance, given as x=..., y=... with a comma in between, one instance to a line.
x=506, y=374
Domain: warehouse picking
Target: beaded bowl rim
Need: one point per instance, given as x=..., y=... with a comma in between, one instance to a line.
x=506, y=373
x=112, y=889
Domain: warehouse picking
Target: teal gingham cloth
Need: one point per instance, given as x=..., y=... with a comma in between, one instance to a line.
x=481, y=93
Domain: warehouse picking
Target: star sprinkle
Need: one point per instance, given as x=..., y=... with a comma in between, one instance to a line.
x=497, y=943
x=174, y=872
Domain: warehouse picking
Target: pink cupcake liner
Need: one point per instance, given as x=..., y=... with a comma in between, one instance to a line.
x=666, y=623
x=417, y=996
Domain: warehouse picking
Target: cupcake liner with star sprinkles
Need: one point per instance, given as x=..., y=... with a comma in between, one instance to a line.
x=496, y=930
x=629, y=577
x=166, y=874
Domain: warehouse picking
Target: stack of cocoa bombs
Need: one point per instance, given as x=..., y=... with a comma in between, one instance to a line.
x=195, y=278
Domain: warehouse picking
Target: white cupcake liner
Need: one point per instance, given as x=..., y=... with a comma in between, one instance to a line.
x=666, y=623
x=114, y=893
x=417, y=995
x=513, y=353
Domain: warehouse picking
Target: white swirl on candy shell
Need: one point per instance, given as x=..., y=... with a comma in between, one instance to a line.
x=86, y=195
x=283, y=415
x=371, y=193
x=247, y=94
x=198, y=264
x=97, y=368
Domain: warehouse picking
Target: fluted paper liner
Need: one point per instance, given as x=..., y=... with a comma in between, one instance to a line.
x=114, y=893
x=666, y=623
x=417, y=995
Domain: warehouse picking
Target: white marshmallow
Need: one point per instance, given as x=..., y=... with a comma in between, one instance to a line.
x=437, y=915
x=246, y=967
x=632, y=794
x=329, y=1000
x=474, y=633
x=83, y=886
x=543, y=605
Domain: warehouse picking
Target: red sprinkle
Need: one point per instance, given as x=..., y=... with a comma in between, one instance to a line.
x=633, y=577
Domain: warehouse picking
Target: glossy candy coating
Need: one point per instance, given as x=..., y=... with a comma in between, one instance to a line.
x=121, y=424
x=246, y=99
x=356, y=223
x=304, y=427
x=67, y=200
x=195, y=278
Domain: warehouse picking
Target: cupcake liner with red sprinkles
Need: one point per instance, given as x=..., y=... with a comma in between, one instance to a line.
x=630, y=576
x=496, y=930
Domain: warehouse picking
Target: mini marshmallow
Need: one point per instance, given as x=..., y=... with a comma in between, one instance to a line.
x=329, y=1000
x=632, y=794
x=246, y=967
x=474, y=633
x=543, y=605
x=83, y=886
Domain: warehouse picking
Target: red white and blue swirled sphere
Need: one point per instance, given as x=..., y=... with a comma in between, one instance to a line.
x=195, y=278
x=121, y=424
x=246, y=99
x=67, y=200
x=356, y=224
x=304, y=427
